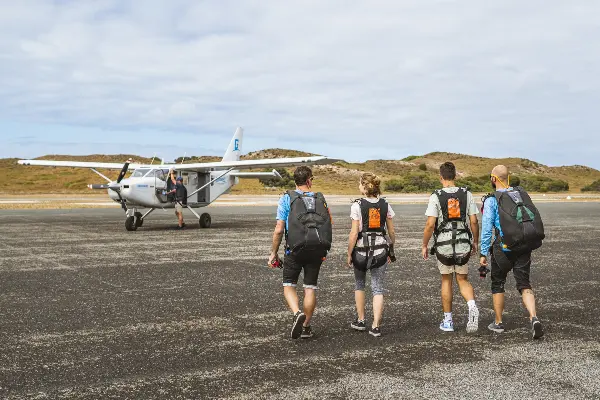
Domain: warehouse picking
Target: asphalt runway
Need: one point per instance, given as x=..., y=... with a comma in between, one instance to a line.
x=89, y=310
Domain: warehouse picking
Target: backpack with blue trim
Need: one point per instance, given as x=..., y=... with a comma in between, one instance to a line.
x=520, y=220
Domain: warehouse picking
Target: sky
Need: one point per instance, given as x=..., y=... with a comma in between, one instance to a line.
x=350, y=80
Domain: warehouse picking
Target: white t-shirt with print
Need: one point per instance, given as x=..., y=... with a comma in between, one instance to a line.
x=356, y=215
x=434, y=209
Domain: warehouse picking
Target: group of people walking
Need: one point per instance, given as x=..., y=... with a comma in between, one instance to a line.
x=511, y=229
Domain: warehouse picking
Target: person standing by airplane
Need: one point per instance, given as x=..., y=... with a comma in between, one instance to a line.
x=304, y=217
x=450, y=212
x=370, y=247
x=519, y=230
x=180, y=198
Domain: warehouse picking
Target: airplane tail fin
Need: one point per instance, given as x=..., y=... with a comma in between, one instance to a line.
x=234, y=151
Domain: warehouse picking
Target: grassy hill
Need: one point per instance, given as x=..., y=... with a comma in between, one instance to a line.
x=342, y=177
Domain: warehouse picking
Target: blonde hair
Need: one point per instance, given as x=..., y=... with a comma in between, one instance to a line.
x=371, y=183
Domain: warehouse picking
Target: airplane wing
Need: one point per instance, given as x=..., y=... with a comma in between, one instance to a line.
x=76, y=164
x=200, y=167
x=249, y=164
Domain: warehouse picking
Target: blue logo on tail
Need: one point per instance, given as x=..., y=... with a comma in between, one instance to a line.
x=236, y=145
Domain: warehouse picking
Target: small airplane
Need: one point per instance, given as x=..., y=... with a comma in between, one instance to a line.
x=149, y=186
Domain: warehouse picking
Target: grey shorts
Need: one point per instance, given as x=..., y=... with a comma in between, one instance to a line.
x=377, y=279
x=178, y=208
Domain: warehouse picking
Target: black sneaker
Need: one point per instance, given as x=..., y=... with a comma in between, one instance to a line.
x=307, y=332
x=375, y=332
x=299, y=319
x=358, y=325
x=536, y=328
x=494, y=327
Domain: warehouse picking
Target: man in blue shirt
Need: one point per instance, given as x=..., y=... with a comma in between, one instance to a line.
x=503, y=260
x=293, y=265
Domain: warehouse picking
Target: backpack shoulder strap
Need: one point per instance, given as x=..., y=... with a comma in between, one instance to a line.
x=383, y=209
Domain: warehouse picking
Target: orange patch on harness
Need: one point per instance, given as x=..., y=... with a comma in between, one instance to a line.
x=453, y=208
x=374, y=218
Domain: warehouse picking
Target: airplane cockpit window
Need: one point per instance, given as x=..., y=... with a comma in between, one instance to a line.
x=139, y=173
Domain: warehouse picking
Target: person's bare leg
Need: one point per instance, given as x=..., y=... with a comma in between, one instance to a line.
x=377, y=310
x=359, y=297
x=291, y=297
x=498, y=299
x=466, y=289
x=447, y=293
x=310, y=302
x=529, y=302
x=180, y=217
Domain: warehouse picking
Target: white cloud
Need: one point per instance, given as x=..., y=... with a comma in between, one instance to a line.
x=378, y=79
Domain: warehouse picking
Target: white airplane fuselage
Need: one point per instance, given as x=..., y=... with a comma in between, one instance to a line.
x=147, y=188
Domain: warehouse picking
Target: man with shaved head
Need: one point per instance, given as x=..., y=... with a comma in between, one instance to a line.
x=511, y=209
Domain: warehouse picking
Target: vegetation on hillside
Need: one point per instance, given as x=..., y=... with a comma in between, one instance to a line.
x=417, y=174
x=592, y=187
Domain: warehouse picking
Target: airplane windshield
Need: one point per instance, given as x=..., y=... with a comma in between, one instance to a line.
x=161, y=174
x=139, y=173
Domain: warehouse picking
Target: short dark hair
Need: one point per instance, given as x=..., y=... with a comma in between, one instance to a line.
x=302, y=174
x=448, y=171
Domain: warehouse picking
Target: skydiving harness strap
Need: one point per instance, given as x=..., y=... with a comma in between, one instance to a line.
x=454, y=211
x=374, y=216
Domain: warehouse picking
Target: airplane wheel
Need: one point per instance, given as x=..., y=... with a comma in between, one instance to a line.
x=138, y=219
x=130, y=224
x=205, y=221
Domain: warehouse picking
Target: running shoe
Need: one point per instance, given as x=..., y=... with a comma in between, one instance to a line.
x=473, y=323
x=536, y=328
x=358, y=325
x=307, y=332
x=447, y=326
x=376, y=332
x=299, y=319
x=494, y=327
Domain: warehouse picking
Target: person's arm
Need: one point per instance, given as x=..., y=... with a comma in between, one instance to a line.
x=475, y=231
x=353, y=237
x=487, y=229
x=277, y=239
x=427, y=233
x=391, y=230
x=173, y=179
x=283, y=211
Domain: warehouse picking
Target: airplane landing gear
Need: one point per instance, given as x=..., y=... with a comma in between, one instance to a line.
x=130, y=223
x=139, y=221
x=205, y=220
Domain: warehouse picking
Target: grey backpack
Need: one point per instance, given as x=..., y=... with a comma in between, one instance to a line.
x=309, y=224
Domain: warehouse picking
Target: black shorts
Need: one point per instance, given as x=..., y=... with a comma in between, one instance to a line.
x=294, y=264
x=520, y=264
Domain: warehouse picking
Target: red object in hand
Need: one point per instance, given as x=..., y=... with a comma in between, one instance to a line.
x=276, y=263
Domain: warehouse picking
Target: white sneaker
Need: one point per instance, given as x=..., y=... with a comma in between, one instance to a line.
x=447, y=326
x=473, y=323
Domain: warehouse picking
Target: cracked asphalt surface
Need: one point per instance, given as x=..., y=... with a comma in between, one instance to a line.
x=89, y=310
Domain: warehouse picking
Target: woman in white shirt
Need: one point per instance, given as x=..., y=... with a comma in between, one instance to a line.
x=373, y=207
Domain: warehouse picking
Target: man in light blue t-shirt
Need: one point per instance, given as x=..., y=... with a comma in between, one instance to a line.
x=292, y=265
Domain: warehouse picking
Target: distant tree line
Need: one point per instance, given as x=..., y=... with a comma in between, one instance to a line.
x=422, y=183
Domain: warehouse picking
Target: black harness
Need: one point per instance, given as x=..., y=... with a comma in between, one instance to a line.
x=450, y=223
x=372, y=228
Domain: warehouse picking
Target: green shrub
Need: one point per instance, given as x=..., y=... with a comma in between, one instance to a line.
x=412, y=183
x=475, y=183
x=592, y=187
x=423, y=167
x=535, y=183
x=286, y=181
x=410, y=158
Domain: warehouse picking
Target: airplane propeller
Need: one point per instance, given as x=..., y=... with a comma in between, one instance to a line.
x=124, y=170
x=114, y=186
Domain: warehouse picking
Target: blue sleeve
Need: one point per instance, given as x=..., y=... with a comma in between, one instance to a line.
x=487, y=224
x=283, y=208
